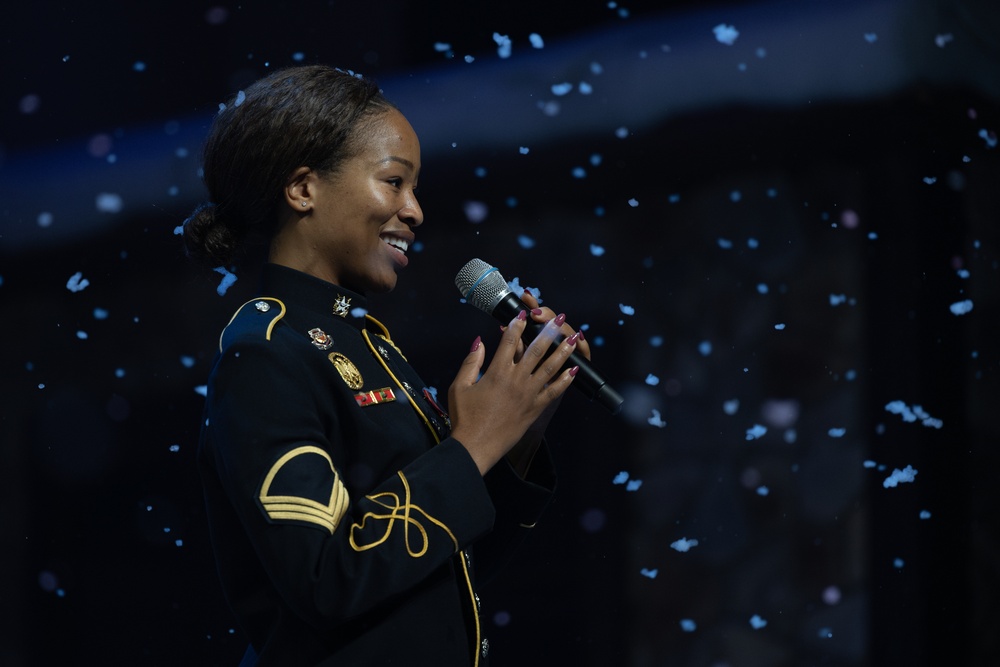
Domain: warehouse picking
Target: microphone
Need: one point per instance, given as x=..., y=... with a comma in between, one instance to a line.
x=484, y=287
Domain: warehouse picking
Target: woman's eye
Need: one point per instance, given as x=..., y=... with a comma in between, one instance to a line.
x=396, y=182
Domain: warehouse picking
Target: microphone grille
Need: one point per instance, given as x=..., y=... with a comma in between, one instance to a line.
x=481, y=284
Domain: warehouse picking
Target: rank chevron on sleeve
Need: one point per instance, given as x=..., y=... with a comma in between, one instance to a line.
x=322, y=500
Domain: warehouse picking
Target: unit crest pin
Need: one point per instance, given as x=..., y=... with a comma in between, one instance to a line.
x=320, y=339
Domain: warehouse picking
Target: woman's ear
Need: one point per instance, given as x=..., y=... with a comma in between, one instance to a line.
x=300, y=190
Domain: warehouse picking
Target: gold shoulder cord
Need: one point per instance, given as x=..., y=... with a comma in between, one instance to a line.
x=423, y=417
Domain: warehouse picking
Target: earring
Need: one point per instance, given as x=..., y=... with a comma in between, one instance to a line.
x=304, y=204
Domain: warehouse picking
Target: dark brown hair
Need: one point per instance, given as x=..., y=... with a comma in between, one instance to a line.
x=310, y=116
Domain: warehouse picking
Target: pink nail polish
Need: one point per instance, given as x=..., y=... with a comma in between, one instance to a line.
x=536, y=311
x=522, y=315
x=573, y=371
x=580, y=333
x=560, y=319
x=476, y=343
x=572, y=340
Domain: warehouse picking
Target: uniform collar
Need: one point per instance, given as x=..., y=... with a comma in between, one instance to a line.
x=301, y=289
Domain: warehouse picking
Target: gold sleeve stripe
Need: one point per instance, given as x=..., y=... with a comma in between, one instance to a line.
x=297, y=508
x=402, y=512
x=270, y=326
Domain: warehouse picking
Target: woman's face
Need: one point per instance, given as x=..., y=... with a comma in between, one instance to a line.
x=362, y=218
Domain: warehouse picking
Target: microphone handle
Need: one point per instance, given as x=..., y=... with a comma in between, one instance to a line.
x=588, y=379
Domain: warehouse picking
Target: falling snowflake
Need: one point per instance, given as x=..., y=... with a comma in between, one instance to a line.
x=961, y=307
x=907, y=474
x=503, y=45
x=77, y=282
x=726, y=34
x=228, y=278
x=683, y=545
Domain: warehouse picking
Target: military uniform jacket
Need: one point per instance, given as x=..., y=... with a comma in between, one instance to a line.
x=342, y=514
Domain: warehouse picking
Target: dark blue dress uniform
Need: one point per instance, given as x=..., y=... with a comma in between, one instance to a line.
x=341, y=512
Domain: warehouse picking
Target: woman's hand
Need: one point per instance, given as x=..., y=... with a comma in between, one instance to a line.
x=542, y=315
x=521, y=455
x=491, y=414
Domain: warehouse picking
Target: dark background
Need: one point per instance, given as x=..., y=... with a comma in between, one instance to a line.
x=809, y=203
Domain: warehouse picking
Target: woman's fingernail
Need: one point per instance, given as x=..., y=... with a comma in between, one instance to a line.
x=573, y=371
x=522, y=315
x=573, y=339
x=476, y=343
x=536, y=311
x=560, y=319
x=580, y=333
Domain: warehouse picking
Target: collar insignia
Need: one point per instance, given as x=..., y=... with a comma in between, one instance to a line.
x=342, y=305
x=348, y=371
x=320, y=339
x=394, y=346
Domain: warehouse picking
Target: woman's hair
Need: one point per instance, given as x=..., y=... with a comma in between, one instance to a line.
x=310, y=116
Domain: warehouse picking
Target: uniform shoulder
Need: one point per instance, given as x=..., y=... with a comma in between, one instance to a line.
x=253, y=321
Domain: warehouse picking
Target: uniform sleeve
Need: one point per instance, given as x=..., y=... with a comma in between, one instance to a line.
x=329, y=556
x=519, y=504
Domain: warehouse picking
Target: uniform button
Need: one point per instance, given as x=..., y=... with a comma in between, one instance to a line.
x=486, y=647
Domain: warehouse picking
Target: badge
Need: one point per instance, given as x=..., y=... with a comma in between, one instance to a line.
x=320, y=339
x=341, y=306
x=262, y=306
x=348, y=371
x=375, y=397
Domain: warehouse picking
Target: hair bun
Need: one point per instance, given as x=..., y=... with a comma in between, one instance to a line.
x=206, y=240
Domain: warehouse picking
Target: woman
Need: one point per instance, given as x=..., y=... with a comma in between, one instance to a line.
x=343, y=504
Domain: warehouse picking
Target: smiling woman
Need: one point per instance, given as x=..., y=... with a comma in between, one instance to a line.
x=343, y=501
x=353, y=227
